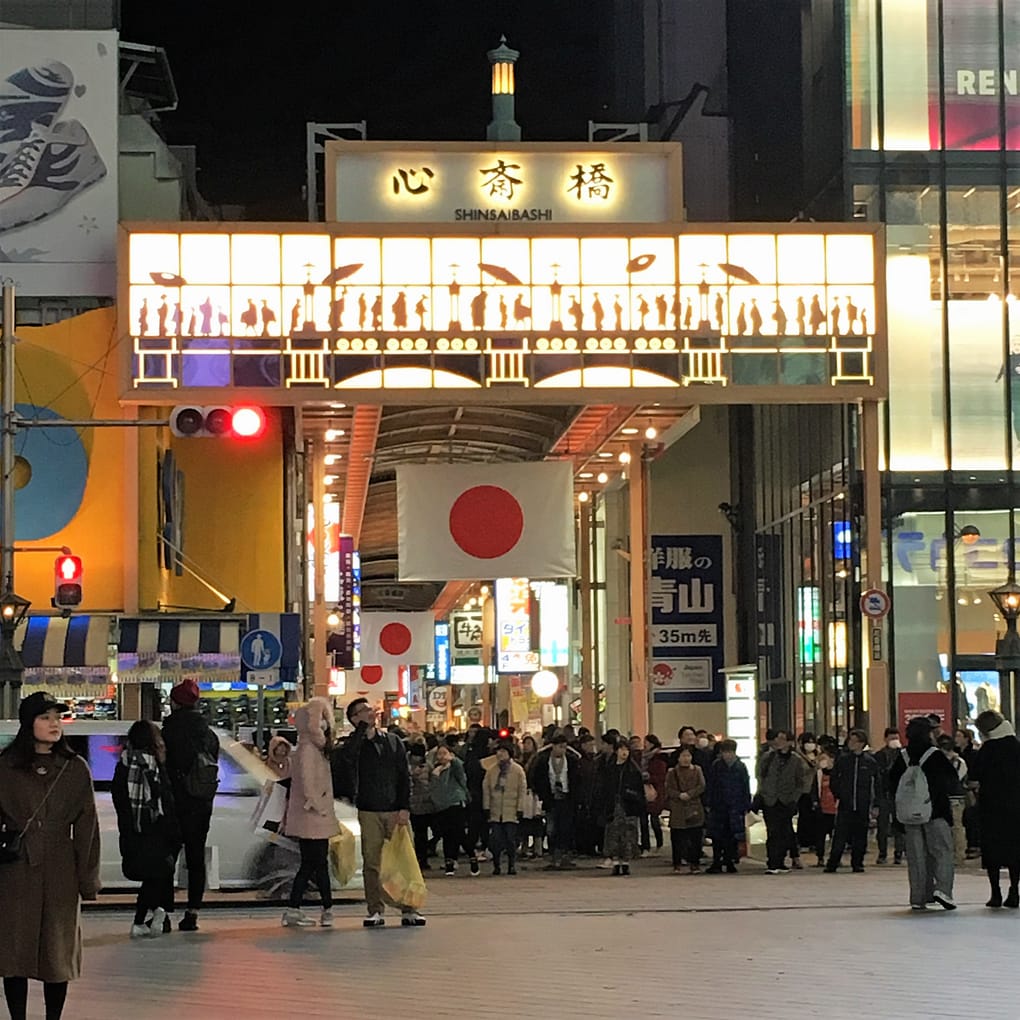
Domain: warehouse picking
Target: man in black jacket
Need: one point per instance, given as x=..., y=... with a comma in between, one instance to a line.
x=554, y=778
x=192, y=751
x=377, y=761
x=886, y=757
x=853, y=784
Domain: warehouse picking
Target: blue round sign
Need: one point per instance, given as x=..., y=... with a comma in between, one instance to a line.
x=261, y=649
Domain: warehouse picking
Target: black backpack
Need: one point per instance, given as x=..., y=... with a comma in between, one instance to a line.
x=203, y=777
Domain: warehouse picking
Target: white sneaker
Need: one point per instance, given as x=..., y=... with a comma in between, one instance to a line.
x=605, y=864
x=412, y=919
x=294, y=918
x=326, y=919
x=139, y=931
x=156, y=924
x=374, y=921
x=944, y=900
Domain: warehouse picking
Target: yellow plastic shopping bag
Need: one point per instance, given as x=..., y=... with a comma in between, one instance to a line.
x=342, y=861
x=399, y=872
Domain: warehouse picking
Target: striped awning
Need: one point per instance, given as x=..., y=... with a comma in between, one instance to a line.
x=168, y=650
x=71, y=649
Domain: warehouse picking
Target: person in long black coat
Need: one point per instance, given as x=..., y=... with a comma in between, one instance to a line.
x=996, y=767
x=150, y=836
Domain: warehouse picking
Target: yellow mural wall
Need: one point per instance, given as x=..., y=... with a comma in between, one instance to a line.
x=228, y=496
x=70, y=369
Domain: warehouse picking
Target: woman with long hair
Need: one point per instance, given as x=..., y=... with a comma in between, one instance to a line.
x=621, y=802
x=310, y=817
x=150, y=837
x=45, y=794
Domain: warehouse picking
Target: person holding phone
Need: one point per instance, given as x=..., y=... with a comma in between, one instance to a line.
x=377, y=762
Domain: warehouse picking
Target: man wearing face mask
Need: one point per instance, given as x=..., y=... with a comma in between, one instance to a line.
x=886, y=756
x=688, y=737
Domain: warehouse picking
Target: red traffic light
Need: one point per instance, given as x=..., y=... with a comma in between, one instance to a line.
x=247, y=422
x=244, y=422
x=67, y=576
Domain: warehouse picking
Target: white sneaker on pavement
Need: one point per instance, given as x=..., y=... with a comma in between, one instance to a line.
x=374, y=921
x=156, y=924
x=412, y=919
x=294, y=918
x=326, y=919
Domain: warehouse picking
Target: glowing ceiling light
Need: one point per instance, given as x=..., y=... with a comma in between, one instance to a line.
x=582, y=497
x=651, y=432
x=332, y=435
x=586, y=474
x=331, y=458
x=602, y=478
x=630, y=430
x=338, y=407
x=330, y=479
x=333, y=620
x=605, y=454
x=624, y=457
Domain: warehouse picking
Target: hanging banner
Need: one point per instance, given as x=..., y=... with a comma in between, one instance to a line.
x=685, y=600
x=514, y=651
x=466, y=639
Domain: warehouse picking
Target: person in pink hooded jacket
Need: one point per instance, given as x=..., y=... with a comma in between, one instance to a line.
x=310, y=818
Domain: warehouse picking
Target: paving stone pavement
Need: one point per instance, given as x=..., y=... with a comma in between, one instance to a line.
x=579, y=944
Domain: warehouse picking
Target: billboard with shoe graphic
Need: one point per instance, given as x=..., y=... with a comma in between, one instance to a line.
x=58, y=162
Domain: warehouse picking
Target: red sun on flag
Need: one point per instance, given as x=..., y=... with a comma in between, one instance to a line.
x=371, y=674
x=486, y=521
x=395, y=638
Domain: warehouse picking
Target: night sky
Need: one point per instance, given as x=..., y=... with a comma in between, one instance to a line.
x=248, y=83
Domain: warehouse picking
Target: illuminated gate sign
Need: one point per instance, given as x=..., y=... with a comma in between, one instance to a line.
x=536, y=182
x=759, y=313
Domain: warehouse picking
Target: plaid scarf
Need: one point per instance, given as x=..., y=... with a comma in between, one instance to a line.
x=142, y=787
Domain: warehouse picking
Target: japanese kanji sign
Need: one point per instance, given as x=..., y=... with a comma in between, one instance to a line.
x=685, y=598
x=448, y=182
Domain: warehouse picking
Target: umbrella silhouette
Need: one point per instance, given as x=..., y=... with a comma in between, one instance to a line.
x=738, y=272
x=341, y=273
x=640, y=262
x=168, y=279
x=501, y=274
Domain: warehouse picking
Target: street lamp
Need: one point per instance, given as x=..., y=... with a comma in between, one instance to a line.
x=1007, y=647
x=12, y=611
x=545, y=683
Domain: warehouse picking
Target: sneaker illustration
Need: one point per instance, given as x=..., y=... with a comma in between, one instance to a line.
x=47, y=171
x=31, y=96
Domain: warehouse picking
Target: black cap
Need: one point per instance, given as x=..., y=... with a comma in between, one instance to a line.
x=35, y=705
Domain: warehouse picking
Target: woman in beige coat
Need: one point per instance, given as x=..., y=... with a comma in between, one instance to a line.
x=310, y=817
x=504, y=791
x=46, y=792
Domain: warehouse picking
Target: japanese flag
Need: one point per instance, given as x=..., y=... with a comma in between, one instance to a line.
x=397, y=639
x=374, y=680
x=478, y=521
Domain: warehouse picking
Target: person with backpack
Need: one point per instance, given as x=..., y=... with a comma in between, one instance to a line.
x=192, y=757
x=920, y=780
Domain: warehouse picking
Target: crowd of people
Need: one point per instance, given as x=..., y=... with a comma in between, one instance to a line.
x=487, y=797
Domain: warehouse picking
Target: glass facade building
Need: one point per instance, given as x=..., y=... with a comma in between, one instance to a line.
x=933, y=147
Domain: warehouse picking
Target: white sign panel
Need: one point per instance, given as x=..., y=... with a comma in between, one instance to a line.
x=490, y=184
x=58, y=161
x=688, y=674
